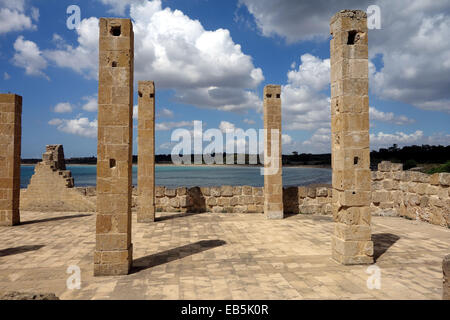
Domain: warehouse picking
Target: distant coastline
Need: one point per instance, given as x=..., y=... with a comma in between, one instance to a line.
x=318, y=166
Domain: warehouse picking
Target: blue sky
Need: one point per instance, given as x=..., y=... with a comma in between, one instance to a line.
x=210, y=61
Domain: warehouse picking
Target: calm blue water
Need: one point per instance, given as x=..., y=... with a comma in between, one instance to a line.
x=177, y=176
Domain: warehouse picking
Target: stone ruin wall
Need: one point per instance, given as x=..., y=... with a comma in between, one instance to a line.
x=395, y=192
x=51, y=187
x=410, y=194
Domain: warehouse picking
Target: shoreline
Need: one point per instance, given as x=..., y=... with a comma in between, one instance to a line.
x=204, y=165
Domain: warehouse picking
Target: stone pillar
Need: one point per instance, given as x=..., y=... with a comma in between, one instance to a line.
x=10, y=143
x=273, y=184
x=114, y=250
x=146, y=152
x=446, y=280
x=351, y=243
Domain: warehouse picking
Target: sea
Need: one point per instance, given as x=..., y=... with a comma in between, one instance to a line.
x=173, y=176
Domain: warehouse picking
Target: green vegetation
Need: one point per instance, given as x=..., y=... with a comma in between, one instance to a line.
x=409, y=164
x=442, y=168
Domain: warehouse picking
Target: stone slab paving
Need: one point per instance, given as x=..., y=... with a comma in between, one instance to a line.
x=222, y=256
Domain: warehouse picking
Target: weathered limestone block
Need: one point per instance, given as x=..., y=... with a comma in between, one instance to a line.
x=302, y=192
x=10, y=146
x=181, y=191
x=146, y=151
x=322, y=192
x=247, y=191
x=258, y=192
x=205, y=191
x=215, y=191
x=114, y=250
x=226, y=191
x=160, y=191
x=442, y=179
x=350, y=137
x=170, y=192
x=273, y=185
x=446, y=278
x=237, y=191
x=51, y=187
x=419, y=177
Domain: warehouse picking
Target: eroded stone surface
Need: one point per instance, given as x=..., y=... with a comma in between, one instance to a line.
x=51, y=187
x=114, y=250
x=10, y=146
x=273, y=184
x=146, y=152
x=351, y=243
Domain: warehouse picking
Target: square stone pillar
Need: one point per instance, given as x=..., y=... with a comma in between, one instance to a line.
x=351, y=243
x=446, y=278
x=273, y=183
x=146, y=152
x=10, y=143
x=114, y=250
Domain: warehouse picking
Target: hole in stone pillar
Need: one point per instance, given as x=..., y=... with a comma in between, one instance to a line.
x=140, y=94
x=352, y=37
x=152, y=95
x=114, y=64
x=353, y=192
x=278, y=96
x=355, y=160
x=115, y=31
x=268, y=95
x=112, y=163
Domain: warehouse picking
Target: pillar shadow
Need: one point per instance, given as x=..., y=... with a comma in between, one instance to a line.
x=167, y=256
x=55, y=219
x=176, y=215
x=290, y=201
x=382, y=242
x=21, y=249
x=196, y=201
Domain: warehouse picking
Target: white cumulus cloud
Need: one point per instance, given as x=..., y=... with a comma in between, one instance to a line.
x=78, y=126
x=14, y=18
x=28, y=56
x=63, y=107
x=206, y=68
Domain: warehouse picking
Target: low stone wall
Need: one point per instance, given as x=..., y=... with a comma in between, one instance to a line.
x=409, y=194
x=229, y=199
x=395, y=192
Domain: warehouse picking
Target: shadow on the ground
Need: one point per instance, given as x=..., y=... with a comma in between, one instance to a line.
x=157, y=259
x=382, y=242
x=21, y=249
x=55, y=218
x=176, y=215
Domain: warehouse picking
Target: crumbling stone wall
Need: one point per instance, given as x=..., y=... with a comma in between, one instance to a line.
x=51, y=187
x=410, y=194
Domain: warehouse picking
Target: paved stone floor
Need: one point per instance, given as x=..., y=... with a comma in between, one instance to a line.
x=222, y=256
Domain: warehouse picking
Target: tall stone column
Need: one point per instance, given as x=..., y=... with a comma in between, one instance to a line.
x=10, y=144
x=114, y=250
x=273, y=184
x=146, y=152
x=446, y=278
x=351, y=243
